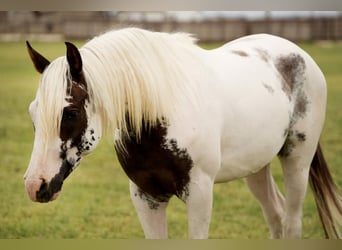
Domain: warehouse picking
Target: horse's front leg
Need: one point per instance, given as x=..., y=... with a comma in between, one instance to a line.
x=151, y=213
x=199, y=200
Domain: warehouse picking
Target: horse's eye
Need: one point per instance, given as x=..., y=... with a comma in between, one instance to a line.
x=70, y=115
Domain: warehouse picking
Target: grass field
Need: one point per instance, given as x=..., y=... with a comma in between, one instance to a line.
x=95, y=200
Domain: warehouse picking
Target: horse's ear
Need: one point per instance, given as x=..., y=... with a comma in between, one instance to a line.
x=39, y=61
x=74, y=60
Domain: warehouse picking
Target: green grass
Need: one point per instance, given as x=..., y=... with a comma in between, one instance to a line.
x=95, y=200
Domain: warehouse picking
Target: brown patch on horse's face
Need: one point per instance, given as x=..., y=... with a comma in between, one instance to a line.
x=77, y=138
x=154, y=163
x=74, y=120
x=75, y=128
x=49, y=191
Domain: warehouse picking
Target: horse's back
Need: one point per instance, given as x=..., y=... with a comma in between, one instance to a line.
x=276, y=52
x=261, y=56
x=264, y=83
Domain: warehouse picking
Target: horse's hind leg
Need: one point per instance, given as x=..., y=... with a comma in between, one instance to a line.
x=296, y=174
x=272, y=202
x=151, y=213
x=296, y=158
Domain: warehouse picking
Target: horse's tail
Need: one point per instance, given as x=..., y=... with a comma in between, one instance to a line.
x=327, y=196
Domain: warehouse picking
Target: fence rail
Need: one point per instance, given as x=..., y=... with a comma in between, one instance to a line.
x=84, y=25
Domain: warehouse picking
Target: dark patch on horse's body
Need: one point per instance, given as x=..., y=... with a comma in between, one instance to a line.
x=269, y=88
x=292, y=139
x=263, y=54
x=300, y=136
x=301, y=105
x=291, y=68
x=152, y=202
x=287, y=148
x=240, y=53
x=154, y=163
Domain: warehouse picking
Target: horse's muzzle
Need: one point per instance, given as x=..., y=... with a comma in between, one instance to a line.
x=48, y=192
x=43, y=191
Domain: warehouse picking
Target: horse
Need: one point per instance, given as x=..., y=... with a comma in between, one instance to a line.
x=184, y=118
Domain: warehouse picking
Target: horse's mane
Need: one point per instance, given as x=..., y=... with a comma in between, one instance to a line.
x=131, y=71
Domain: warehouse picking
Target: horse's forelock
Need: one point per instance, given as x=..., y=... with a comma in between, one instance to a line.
x=51, y=100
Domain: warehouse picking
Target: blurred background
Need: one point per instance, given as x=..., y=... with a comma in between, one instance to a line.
x=209, y=26
x=95, y=202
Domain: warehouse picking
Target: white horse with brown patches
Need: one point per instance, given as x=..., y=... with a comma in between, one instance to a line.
x=185, y=118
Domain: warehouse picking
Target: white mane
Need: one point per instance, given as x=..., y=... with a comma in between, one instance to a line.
x=142, y=73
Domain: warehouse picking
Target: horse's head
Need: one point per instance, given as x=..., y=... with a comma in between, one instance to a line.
x=66, y=124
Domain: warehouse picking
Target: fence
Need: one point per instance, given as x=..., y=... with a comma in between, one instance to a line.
x=83, y=25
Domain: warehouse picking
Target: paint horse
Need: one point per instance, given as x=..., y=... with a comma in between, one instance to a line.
x=184, y=118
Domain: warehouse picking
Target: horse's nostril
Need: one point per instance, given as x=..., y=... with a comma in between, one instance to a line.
x=36, y=187
x=44, y=185
x=42, y=179
x=44, y=192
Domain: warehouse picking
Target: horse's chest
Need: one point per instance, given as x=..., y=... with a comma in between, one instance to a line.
x=154, y=163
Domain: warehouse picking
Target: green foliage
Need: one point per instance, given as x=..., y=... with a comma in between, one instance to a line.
x=95, y=200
